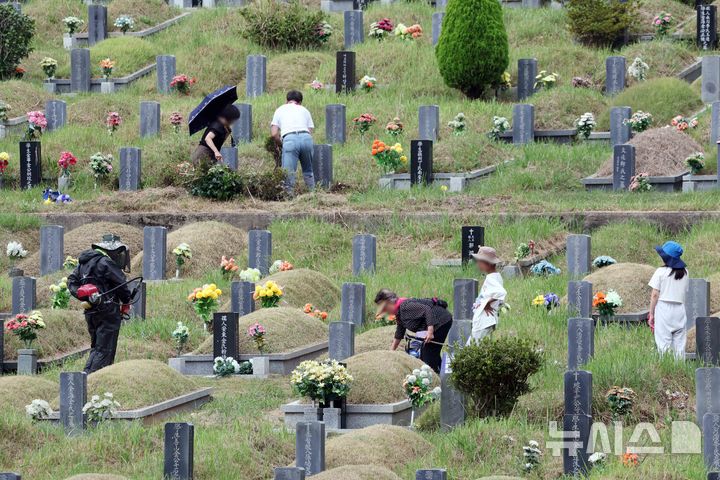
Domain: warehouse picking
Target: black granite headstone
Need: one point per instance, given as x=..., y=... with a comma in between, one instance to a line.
x=345, y=79
x=364, y=254
x=310, y=447
x=353, y=307
x=707, y=38
x=154, y=253
x=465, y=291
x=581, y=341
x=241, y=298
x=711, y=440
x=52, y=248
x=30, y=164
x=260, y=250
x=323, y=165
x=577, y=436
x=341, y=343
x=226, y=337
x=73, y=396
x=707, y=386
x=179, y=451
x=431, y=474
x=623, y=166
x=578, y=392
x=130, y=175
x=473, y=237
x=24, y=298
x=707, y=336
x=580, y=298
x=289, y=473
x=421, y=162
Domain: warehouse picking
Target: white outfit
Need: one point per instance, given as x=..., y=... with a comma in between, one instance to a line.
x=670, y=314
x=292, y=118
x=492, y=293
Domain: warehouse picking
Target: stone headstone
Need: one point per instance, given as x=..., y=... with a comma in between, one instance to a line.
x=241, y=298
x=713, y=476
x=149, y=119
x=364, y=249
x=166, y=68
x=130, y=175
x=614, y=75
x=323, y=165
x=437, y=20
x=260, y=250
x=473, y=237
x=711, y=440
x=230, y=157
x=310, y=447
x=242, y=128
x=179, y=451
x=710, y=85
x=30, y=164
x=523, y=124
x=707, y=336
x=154, y=253
x=707, y=38
x=335, y=124
x=80, y=70
x=226, y=337
x=697, y=302
x=581, y=342
x=421, y=162
x=341, y=344
x=56, y=114
x=623, y=166
x=580, y=298
x=429, y=122
x=707, y=385
x=578, y=392
x=97, y=24
x=353, y=28
x=452, y=402
x=431, y=474
x=353, y=307
x=52, y=248
x=289, y=473
x=578, y=255
x=715, y=123
x=139, y=308
x=73, y=396
x=465, y=291
x=10, y=475
x=345, y=79
x=577, y=435
x=619, y=132
x=24, y=297
x=255, y=76
x=527, y=71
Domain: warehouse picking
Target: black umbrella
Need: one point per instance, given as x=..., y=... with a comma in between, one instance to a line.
x=210, y=107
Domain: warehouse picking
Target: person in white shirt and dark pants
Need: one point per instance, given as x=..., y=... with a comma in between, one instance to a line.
x=667, y=315
x=292, y=126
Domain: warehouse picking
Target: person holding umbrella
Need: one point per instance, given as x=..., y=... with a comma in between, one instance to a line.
x=214, y=136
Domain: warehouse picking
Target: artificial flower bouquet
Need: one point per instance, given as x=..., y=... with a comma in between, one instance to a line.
x=256, y=333
x=364, y=122
x=638, y=69
x=268, y=295
x=316, y=85
x=101, y=166
x=309, y=309
x=15, y=251
x=38, y=410
x=176, y=120
x=36, y=124
x=603, y=261
x=182, y=253
x=620, y=400
x=4, y=109
x=223, y=367
x=607, y=303
x=106, y=66
x=60, y=295
x=125, y=23
x=662, y=23
x=180, y=335
x=585, y=124
x=73, y=24
x=66, y=160
x=545, y=80
x=418, y=387
x=25, y=327
x=695, y=162
x=458, y=125
x=182, y=83
x=639, y=121
x=640, y=183
x=205, y=302
x=4, y=163
x=368, y=83
x=500, y=125
x=395, y=127
x=112, y=122
x=544, y=268
x=280, y=266
x=682, y=123
x=549, y=301
x=251, y=275
x=324, y=31
x=321, y=381
x=100, y=409
x=412, y=32
x=228, y=267
x=389, y=158
x=381, y=29
x=49, y=67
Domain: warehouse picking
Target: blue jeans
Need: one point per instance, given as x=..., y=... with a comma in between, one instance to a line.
x=298, y=147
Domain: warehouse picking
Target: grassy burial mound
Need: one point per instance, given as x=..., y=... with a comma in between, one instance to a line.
x=357, y=472
x=96, y=476
x=374, y=339
x=303, y=286
x=288, y=329
x=65, y=332
x=208, y=241
x=16, y=391
x=630, y=280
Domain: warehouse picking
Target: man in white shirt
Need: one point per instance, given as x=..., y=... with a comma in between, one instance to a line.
x=292, y=126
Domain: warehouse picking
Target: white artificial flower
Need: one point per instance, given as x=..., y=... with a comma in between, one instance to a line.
x=597, y=457
x=533, y=444
x=437, y=391
x=411, y=378
x=15, y=250
x=426, y=381
x=614, y=298
x=416, y=372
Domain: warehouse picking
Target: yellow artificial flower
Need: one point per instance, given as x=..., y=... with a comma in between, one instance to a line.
x=444, y=188
x=539, y=300
x=4, y=157
x=403, y=159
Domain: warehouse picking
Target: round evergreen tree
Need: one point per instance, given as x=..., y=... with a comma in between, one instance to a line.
x=16, y=32
x=472, y=51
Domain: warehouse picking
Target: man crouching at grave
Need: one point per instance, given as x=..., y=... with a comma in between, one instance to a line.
x=99, y=282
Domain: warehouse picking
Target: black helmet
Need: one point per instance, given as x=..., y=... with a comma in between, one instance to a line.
x=115, y=249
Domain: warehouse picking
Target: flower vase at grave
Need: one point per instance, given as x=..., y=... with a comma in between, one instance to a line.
x=27, y=360
x=64, y=182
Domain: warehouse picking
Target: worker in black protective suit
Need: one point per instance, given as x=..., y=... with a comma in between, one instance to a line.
x=103, y=267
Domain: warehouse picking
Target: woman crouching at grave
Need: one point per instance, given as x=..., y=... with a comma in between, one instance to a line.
x=486, y=308
x=429, y=318
x=214, y=137
x=667, y=315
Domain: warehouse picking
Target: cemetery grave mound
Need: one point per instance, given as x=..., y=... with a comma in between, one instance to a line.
x=66, y=332
x=557, y=108
x=16, y=391
x=22, y=96
x=630, y=280
x=96, y=476
x=291, y=70
x=302, y=286
x=374, y=339
x=658, y=152
x=382, y=445
x=208, y=242
x=357, y=472
x=288, y=329
x=145, y=13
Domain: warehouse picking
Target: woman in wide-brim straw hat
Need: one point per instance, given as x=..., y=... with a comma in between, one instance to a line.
x=667, y=315
x=486, y=308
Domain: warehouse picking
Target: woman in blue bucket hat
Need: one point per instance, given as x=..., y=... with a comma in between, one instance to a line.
x=667, y=315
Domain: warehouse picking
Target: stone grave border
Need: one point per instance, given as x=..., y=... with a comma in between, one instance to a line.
x=358, y=415
x=456, y=182
x=699, y=183
x=627, y=319
x=559, y=136
x=672, y=183
x=62, y=85
x=13, y=126
x=82, y=38
x=10, y=366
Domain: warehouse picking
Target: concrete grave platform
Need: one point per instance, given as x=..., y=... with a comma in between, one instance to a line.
x=699, y=183
x=637, y=318
x=358, y=416
x=456, y=182
x=562, y=137
x=10, y=366
x=660, y=184
x=13, y=126
x=62, y=85
x=81, y=39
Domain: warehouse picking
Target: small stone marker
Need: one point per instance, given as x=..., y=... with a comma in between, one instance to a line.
x=577, y=436
x=30, y=164
x=707, y=336
x=139, y=308
x=353, y=307
x=619, y=132
x=97, y=24
x=242, y=128
x=27, y=360
x=429, y=122
x=711, y=440
x=341, y=340
x=707, y=384
x=523, y=124
x=241, y=298
x=289, y=473
x=52, y=248
x=437, y=19
x=335, y=124
x=24, y=298
x=527, y=71
x=581, y=342
x=226, y=337
x=707, y=38
x=473, y=237
x=364, y=249
x=179, y=451
x=255, y=76
x=623, y=166
x=310, y=447
x=73, y=396
x=353, y=28
x=713, y=476
x=345, y=79
x=130, y=175
x=56, y=114
x=465, y=291
x=710, y=88
x=697, y=303
x=154, y=253
x=10, y=475
x=421, y=162
x=230, y=157
x=614, y=75
x=165, y=66
x=323, y=165
x=431, y=474
x=578, y=255
x=580, y=298
x=80, y=70
x=260, y=250
x=578, y=392
x=715, y=123
x=149, y=119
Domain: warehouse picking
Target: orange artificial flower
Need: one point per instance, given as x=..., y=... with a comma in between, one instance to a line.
x=599, y=299
x=631, y=459
x=308, y=308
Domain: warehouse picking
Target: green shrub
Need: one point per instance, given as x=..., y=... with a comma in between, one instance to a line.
x=472, y=52
x=282, y=26
x=600, y=22
x=218, y=182
x=494, y=373
x=17, y=33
